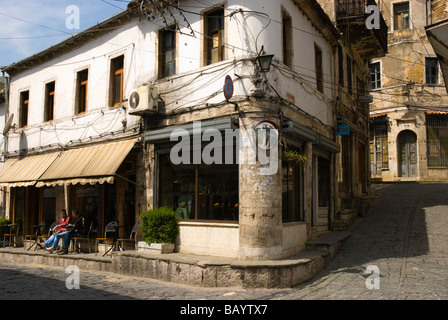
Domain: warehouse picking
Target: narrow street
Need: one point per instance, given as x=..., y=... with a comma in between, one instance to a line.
x=404, y=235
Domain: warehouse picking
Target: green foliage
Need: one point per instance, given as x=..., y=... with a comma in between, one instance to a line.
x=294, y=158
x=3, y=221
x=160, y=225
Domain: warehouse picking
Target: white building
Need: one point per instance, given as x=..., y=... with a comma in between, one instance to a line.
x=74, y=112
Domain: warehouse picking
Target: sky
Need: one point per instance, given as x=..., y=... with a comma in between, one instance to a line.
x=29, y=26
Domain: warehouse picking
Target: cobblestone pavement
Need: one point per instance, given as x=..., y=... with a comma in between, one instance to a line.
x=405, y=236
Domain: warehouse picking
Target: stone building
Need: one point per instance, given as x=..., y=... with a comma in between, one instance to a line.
x=408, y=119
x=130, y=90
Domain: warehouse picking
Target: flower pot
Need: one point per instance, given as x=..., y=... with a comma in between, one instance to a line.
x=158, y=248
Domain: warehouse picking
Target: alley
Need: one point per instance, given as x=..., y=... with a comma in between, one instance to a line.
x=404, y=236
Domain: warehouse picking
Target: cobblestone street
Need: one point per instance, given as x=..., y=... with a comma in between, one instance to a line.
x=405, y=235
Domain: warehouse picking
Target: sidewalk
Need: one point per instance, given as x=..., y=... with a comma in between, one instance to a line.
x=205, y=271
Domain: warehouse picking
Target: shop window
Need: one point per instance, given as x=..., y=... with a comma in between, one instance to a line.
x=81, y=91
x=346, y=164
x=401, y=16
x=379, y=149
x=199, y=192
x=116, y=80
x=167, y=52
x=49, y=101
x=214, y=39
x=24, y=108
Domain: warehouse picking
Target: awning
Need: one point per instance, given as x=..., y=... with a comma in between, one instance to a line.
x=95, y=164
x=24, y=172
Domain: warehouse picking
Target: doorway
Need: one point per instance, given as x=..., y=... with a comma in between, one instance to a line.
x=407, y=154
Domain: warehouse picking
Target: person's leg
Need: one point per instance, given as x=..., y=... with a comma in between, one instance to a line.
x=49, y=241
x=56, y=240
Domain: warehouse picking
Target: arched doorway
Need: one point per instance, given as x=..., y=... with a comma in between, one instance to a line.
x=407, y=154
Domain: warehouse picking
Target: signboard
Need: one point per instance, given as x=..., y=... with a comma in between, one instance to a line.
x=343, y=130
x=228, y=88
x=365, y=99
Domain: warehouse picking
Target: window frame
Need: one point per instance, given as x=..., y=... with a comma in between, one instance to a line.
x=163, y=33
x=50, y=90
x=116, y=69
x=428, y=68
x=209, y=35
x=81, y=84
x=377, y=74
x=318, y=64
x=24, y=105
x=287, y=39
x=398, y=16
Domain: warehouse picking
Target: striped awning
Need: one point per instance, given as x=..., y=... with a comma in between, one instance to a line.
x=87, y=165
x=24, y=172
x=94, y=164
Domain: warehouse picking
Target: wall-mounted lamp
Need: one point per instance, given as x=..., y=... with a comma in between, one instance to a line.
x=264, y=62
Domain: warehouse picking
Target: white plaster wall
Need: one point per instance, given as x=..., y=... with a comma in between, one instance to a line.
x=209, y=239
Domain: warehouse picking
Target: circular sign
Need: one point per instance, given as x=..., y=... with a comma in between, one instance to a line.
x=228, y=88
x=134, y=100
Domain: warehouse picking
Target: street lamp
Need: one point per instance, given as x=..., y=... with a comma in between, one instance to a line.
x=264, y=62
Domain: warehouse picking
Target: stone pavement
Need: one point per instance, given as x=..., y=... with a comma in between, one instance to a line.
x=404, y=237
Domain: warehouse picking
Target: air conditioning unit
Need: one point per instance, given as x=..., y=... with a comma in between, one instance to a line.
x=144, y=100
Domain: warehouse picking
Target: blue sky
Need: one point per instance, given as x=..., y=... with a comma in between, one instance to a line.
x=30, y=26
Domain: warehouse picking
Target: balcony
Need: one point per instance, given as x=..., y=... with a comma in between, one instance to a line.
x=351, y=20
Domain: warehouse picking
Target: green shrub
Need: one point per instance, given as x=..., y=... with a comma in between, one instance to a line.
x=160, y=225
x=3, y=221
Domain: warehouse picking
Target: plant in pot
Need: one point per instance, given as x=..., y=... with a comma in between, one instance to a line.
x=294, y=158
x=159, y=230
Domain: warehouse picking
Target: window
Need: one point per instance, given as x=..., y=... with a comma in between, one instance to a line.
x=318, y=66
x=81, y=91
x=379, y=149
x=24, y=107
x=49, y=101
x=167, y=49
x=432, y=71
x=287, y=48
x=401, y=16
x=349, y=75
x=292, y=182
x=375, y=75
x=437, y=140
x=199, y=192
x=214, y=40
x=340, y=65
x=117, y=76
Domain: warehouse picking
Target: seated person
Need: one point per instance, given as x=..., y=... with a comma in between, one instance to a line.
x=51, y=244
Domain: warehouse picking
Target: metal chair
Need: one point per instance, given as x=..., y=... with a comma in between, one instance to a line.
x=87, y=239
x=14, y=230
x=111, y=228
x=39, y=230
x=132, y=237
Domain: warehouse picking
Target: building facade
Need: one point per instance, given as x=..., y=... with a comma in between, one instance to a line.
x=408, y=117
x=164, y=106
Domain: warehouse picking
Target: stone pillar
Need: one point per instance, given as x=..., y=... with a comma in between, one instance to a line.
x=260, y=209
x=308, y=180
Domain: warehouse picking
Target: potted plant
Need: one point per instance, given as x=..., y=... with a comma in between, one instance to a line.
x=159, y=230
x=292, y=157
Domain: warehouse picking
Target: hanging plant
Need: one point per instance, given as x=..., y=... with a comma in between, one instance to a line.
x=294, y=158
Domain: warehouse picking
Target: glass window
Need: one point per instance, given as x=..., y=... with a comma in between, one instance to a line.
x=167, y=53
x=199, y=192
x=215, y=36
x=318, y=66
x=49, y=101
x=401, y=16
x=291, y=193
x=375, y=75
x=117, y=66
x=437, y=140
x=287, y=39
x=24, y=107
x=432, y=71
x=81, y=91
